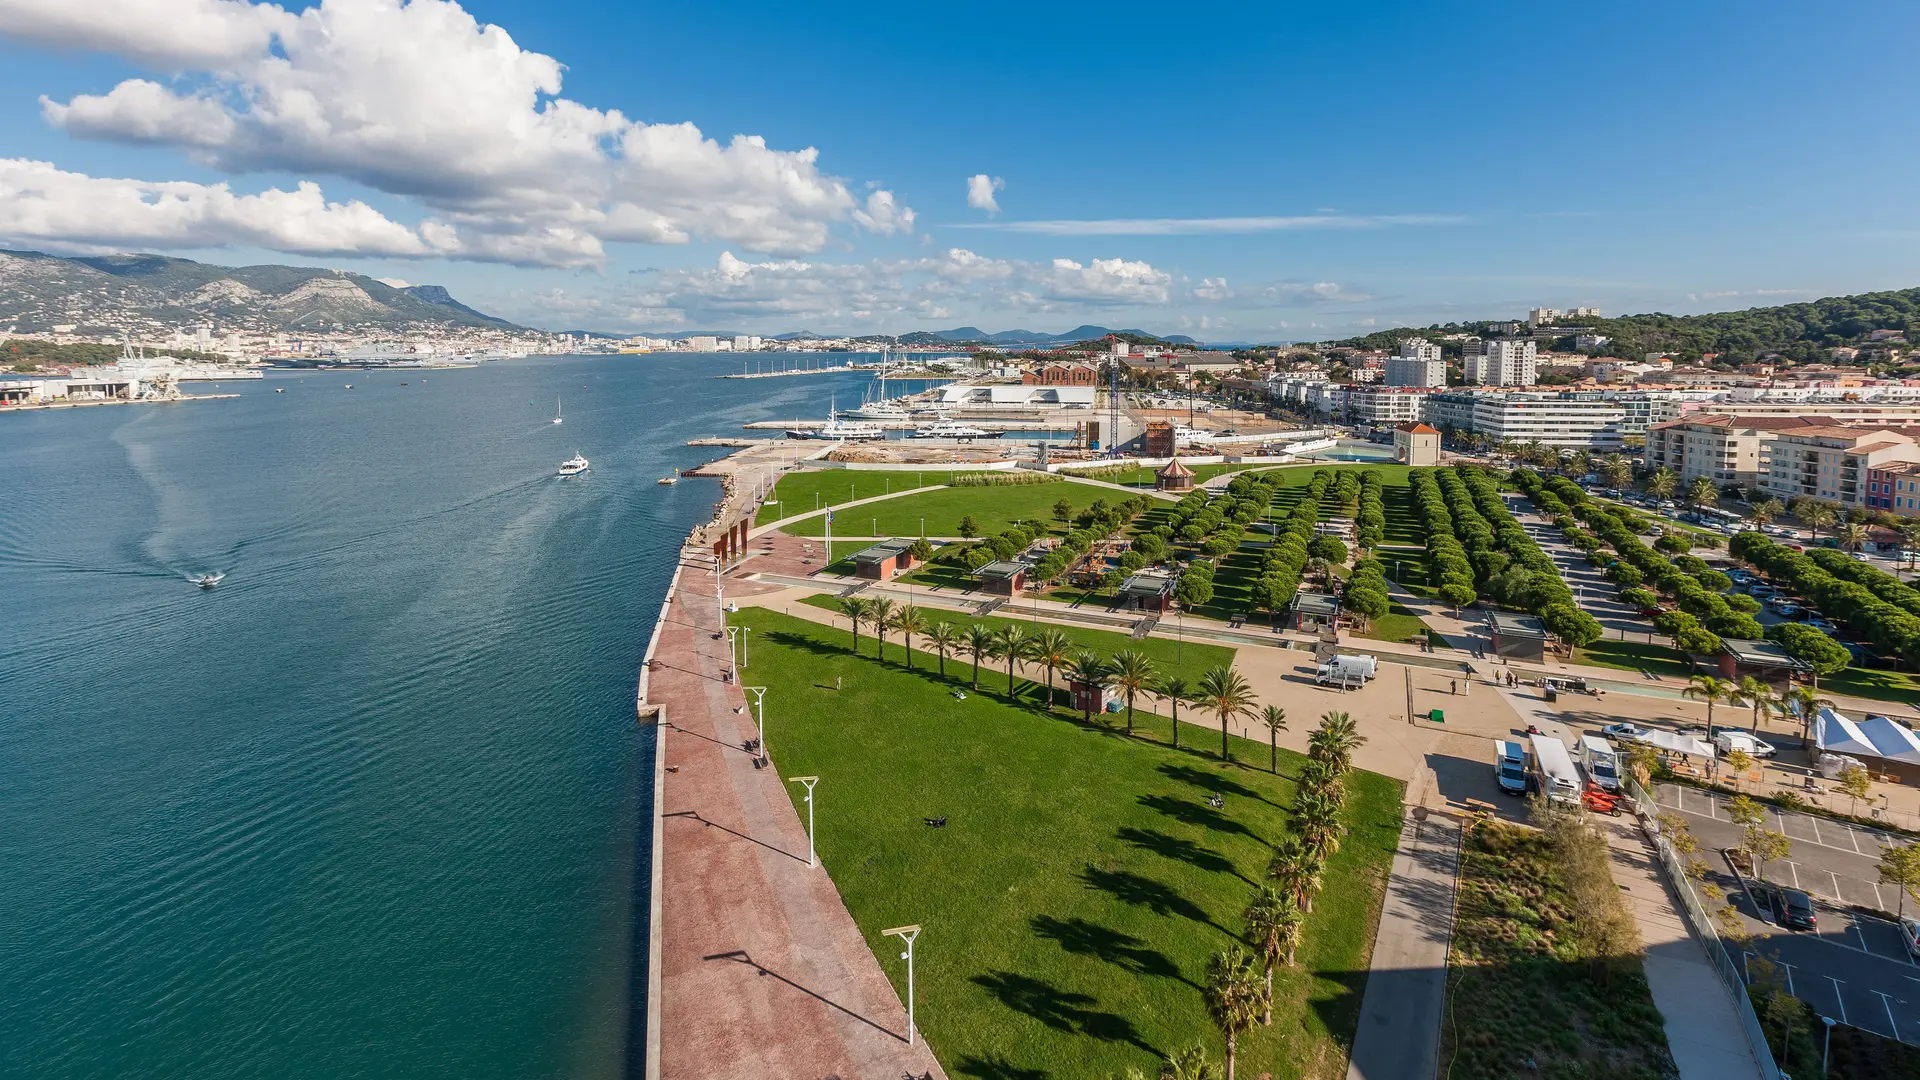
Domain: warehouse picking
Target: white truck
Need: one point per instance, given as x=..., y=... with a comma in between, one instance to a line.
x=1727, y=740
x=1347, y=671
x=1553, y=771
x=1510, y=766
x=1601, y=761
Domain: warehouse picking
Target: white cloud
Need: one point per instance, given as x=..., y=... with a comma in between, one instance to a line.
x=980, y=189
x=421, y=100
x=40, y=204
x=1222, y=225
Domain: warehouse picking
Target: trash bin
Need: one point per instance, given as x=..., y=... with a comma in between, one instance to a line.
x=1552, y=694
x=1437, y=716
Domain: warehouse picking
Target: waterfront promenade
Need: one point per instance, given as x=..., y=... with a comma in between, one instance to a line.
x=763, y=973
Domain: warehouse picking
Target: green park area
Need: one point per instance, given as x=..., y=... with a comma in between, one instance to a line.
x=808, y=490
x=1082, y=880
x=993, y=509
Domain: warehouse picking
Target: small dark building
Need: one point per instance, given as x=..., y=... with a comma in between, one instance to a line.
x=1519, y=637
x=1147, y=592
x=1088, y=697
x=1158, y=440
x=1003, y=578
x=883, y=560
x=1761, y=659
x=1313, y=612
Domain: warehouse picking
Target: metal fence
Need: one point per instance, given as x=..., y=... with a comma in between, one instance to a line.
x=1702, y=924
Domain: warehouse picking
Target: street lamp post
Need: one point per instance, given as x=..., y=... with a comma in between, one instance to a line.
x=760, y=714
x=809, y=781
x=906, y=934
x=744, y=631
x=733, y=654
x=1826, y=1051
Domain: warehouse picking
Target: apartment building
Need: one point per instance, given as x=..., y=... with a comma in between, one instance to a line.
x=1504, y=362
x=1729, y=450
x=1894, y=413
x=1385, y=406
x=1833, y=463
x=1894, y=487
x=1417, y=370
x=1419, y=349
x=1583, y=419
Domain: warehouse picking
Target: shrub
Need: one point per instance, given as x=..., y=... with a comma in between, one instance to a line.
x=1007, y=478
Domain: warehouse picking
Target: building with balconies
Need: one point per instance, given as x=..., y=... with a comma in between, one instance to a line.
x=1729, y=450
x=1831, y=463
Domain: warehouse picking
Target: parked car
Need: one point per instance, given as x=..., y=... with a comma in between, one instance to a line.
x=1781, y=603
x=1786, y=610
x=1910, y=933
x=1650, y=612
x=1857, y=556
x=1623, y=731
x=1793, y=909
x=1727, y=740
x=1822, y=625
x=1760, y=590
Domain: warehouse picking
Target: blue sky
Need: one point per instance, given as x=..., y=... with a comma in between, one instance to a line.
x=1291, y=172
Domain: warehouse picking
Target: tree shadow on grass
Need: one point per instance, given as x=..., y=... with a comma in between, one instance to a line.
x=1191, y=813
x=1180, y=850
x=1124, y=951
x=995, y=1067
x=1210, y=782
x=1156, y=896
x=1061, y=1010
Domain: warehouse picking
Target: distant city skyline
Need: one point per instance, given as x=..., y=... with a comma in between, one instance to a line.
x=1294, y=173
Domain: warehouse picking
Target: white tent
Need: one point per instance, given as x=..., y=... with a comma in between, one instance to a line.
x=1678, y=744
x=1893, y=741
x=1837, y=734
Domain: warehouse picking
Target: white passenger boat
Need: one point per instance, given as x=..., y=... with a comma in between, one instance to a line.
x=573, y=466
x=954, y=429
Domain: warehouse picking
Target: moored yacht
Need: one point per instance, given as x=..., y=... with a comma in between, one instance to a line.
x=954, y=429
x=573, y=466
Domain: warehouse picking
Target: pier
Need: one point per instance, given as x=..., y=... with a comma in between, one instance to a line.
x=757, y=968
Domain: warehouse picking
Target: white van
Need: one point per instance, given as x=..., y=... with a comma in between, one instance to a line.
x=1510, y=767
x=1346, y=671
x=1553, y=770
x=1601, y=761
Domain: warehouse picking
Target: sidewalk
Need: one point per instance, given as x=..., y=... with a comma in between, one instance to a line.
x=1704, y=1032
x=1398, y=1036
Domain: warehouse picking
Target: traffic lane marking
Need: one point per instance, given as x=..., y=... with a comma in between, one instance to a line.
x=1809, y=970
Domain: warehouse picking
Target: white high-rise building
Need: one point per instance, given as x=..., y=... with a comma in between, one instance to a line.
x=746, y=343
x=1418, y=349
x=703, y=343
x=1413, y=371
x=1541, y=316
x=1505, y=362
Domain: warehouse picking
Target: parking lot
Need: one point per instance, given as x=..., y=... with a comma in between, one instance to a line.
x=1855, y=967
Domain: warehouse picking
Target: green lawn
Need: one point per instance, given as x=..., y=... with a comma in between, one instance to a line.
x=803, y=492
x=994, y=509
x=1398, y=624
x=1873, y=684
x=1635, y=656
x=1081, y=882
x=1188, y=658
x=1518, y=990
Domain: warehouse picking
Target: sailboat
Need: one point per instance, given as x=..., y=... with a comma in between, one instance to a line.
x=556, y=410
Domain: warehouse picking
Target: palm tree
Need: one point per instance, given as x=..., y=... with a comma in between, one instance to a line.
x=1712, y=691
x=1617, y=471
x=1803, y=703
x=1173, y=689
x=1293, y=870
x=1273, y=922
x=1703, y=491
x=944, y=638
x=1088, y=669
x=981, y=642
x=1766, y=510
x=1662, y=483
x=1816, y=515
x=1335, y=740
x=1051, y=647
x=1275, y=718
x=1133, y=674
x=1755, y=694
x=1012, y=644
x=909, y=621
x=858, y=610
x=1507, y=448
x=1317, y=819
x=1322, y=778
x=1853, y=536
x=1235, y=997
x=880, y=614
x=1191, y=1063
x=1225, y=693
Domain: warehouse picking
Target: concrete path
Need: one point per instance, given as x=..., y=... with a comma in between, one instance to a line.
x=763, y=971
x=1705, y=1034
x=1398, y=1037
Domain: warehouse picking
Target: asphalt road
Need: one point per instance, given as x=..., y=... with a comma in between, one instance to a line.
x=1854, y=967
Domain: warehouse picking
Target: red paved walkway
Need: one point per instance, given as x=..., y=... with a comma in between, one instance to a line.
x=764, y=974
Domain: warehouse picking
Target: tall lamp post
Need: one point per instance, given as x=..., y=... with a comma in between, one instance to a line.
x=809, y=781
x=906, y=934
x=760, y=714
x=1826, y=1051
x=733, y=651
x=744, y=631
